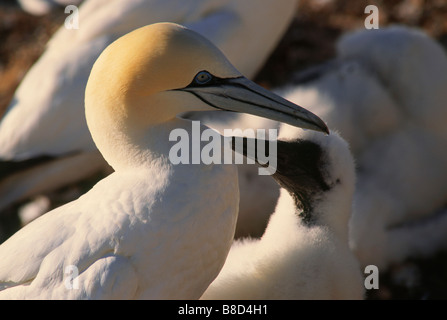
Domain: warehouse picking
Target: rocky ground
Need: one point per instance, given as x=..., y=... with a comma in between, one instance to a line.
x=310, y=40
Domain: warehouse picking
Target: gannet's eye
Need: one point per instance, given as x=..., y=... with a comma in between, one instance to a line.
x=203, y=77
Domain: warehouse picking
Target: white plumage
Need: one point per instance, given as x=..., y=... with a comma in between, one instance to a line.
x=304, y=252
x=151, y=229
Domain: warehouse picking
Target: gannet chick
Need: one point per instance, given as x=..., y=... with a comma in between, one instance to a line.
x=304, y=252
x=151, y=229
x=45, y=119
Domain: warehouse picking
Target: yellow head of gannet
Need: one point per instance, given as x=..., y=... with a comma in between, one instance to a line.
x=152, y=74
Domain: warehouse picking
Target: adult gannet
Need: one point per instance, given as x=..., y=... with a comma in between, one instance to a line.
x=304, y=252
x=151, y=229
x=45, y=119
x=385, y=94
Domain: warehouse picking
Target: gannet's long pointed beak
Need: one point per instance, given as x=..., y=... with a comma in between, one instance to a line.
x=242, y=95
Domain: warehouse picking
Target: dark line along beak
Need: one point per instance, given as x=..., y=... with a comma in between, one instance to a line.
x=242, y=95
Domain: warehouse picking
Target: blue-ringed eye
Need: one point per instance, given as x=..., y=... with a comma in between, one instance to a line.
x=203, y=77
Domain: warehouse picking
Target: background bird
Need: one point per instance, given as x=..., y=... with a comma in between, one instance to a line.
x=385, y=94
x=44, y=140
x=141, y=233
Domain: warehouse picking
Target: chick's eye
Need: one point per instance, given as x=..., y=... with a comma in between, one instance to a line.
x=203, y=77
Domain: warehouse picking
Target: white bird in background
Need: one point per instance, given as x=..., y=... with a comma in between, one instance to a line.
x=304, y=252
x=151, y=229
x=42, y=7
x=385, y=94
x=44, y=128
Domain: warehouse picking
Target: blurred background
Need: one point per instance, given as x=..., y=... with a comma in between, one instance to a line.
x=309, y=40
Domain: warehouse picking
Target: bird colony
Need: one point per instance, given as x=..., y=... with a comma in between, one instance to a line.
x=360, y=175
